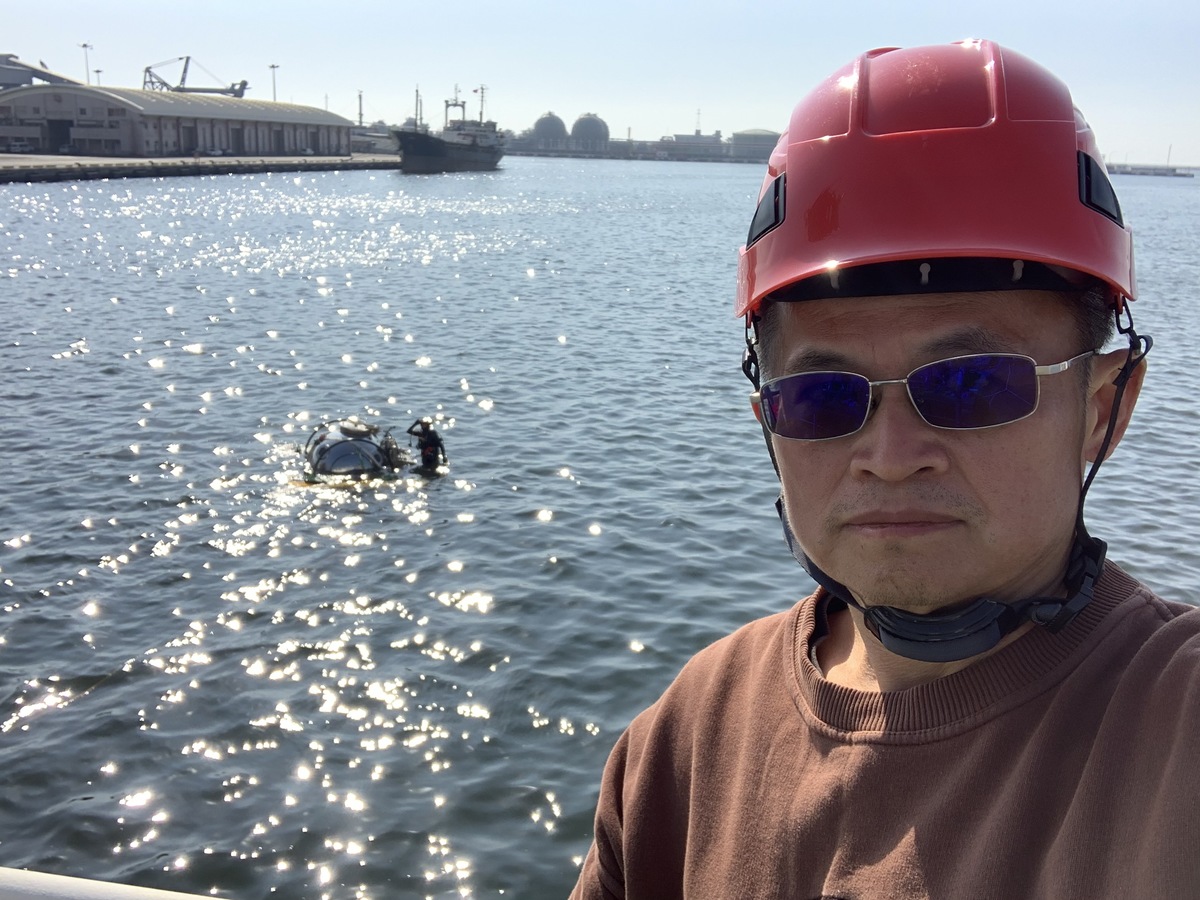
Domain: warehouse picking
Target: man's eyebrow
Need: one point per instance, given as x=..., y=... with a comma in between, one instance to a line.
x=966, y=341
x=962, y=342
x=814, y=360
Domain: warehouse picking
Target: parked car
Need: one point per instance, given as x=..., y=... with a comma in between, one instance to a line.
x=68, y=148
x=308, y=151
x=20, y=147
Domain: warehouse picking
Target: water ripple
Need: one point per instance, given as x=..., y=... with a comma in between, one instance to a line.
x=221, y=681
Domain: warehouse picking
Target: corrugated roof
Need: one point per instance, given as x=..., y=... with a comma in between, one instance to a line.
x=205, y=106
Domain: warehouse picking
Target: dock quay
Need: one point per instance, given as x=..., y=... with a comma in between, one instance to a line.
x=35, y=168
x=1141, y=169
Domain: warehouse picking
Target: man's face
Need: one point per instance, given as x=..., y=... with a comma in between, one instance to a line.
x=917, y=517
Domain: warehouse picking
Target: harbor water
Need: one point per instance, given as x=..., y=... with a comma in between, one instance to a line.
x=216, y=679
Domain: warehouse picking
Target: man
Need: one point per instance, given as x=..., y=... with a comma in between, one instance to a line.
x=429, y=443
x=974, y=703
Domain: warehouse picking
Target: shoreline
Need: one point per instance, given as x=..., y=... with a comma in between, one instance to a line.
x=34, y=168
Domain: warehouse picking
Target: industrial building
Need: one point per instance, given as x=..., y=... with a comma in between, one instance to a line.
x=753, y=144
x=112, y=121
x=589, y=137
x=108, y=121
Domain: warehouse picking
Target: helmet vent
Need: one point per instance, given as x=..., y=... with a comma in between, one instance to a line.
x=769, y=214
x=1096, y=191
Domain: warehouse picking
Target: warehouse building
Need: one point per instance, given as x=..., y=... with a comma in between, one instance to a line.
x=112, y=121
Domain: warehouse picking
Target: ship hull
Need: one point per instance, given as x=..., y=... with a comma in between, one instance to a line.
x=422, y=153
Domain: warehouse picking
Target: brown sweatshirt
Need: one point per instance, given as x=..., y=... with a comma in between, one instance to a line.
x=1062, y=766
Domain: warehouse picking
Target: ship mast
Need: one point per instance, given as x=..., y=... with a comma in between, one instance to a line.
x=460, y=105
x=417, y=107
x=482, y=91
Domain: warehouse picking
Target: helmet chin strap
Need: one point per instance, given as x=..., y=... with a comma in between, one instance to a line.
x=977, y=625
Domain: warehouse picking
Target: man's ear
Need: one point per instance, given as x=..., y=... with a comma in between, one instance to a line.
x=1102, y=391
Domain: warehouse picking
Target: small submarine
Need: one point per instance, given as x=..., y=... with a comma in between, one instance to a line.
x=351, y=449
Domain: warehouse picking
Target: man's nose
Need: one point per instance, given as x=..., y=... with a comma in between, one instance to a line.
x=895, y=442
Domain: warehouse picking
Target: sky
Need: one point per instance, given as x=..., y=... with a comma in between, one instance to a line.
x=647, y=67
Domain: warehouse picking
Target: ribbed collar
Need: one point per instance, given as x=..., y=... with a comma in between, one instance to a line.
x=957, y=702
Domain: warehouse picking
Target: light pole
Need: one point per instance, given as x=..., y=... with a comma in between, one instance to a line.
x=272, y=67
x=87, y=73
x=97, y=71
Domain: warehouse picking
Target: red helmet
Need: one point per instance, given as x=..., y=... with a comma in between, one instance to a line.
x=962, y=151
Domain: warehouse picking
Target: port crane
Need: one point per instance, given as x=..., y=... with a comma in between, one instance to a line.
x=152, y=81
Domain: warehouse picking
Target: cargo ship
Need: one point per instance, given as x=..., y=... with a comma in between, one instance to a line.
x=463, y=145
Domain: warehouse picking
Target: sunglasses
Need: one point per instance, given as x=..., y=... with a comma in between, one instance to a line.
x=964, y=392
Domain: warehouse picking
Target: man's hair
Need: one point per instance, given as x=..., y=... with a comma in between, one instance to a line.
x=1094, y=326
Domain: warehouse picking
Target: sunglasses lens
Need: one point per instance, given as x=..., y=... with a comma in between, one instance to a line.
x=814, y=406
x=975, y=391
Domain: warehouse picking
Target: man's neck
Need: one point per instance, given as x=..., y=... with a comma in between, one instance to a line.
x=850, y=656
